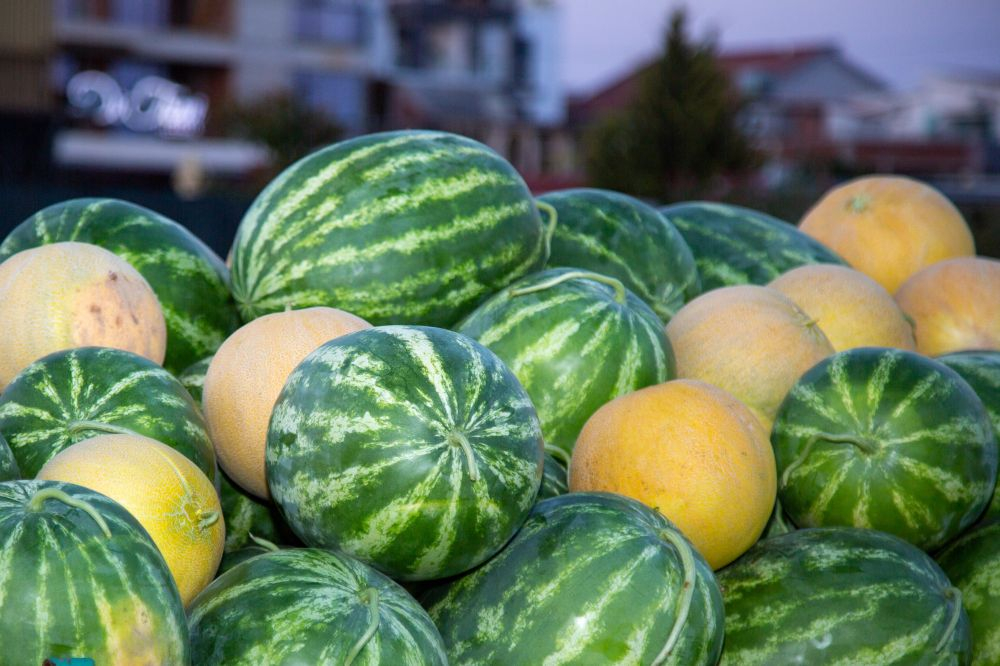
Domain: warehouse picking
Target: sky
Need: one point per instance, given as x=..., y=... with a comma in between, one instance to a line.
x=899, y=41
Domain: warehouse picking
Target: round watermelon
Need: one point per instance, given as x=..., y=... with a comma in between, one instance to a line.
x=617, y=235
x=982, y=370
x=412, y=227
x=576, y=340
x=411, y=448
x=79, y=576
x=841, y=595
x=256, y=547
x=733, y=245
x=972, y=563
x=72, y=395
x=886, y=439
x=247, y=516
x=591, y=578
x=193, y=378
x=8, y=465
x=190, y=281
x=309, y=606
x=554, y=481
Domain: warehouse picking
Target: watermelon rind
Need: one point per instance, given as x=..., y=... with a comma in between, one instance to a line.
x=972, y=563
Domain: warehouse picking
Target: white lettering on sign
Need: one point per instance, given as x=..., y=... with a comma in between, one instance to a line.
x=153, y=105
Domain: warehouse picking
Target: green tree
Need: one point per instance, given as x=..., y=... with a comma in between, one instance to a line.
x=679, y=132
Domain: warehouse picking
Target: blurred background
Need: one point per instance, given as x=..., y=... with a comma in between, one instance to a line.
x=190, y=106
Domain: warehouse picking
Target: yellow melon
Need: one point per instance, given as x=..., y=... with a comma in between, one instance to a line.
x=850, y=308
x=750, y=341
x=173, y=500
x=246, y=375
x=66, y=295
x=691, y=451
x=889, y=227
x=954, y=305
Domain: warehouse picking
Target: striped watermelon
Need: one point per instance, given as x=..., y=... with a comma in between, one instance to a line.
x=254, y=548
x=982, y=370
x=411, y=448
x=779, y=523
x=193, y=378
x=554, y=482
x=310, y=606
x=841, y=596
x=76, y=394
x=886, y=439
x=410, y=227
x=973, y=564
x=576, y=340
x=247, y=516
x=8, y=465
x=80, y=577
x=734, y=245
x=190, y=281
x=617, y=235
x=591, y=578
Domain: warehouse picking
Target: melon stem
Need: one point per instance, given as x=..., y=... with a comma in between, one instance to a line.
x=955, y=596
x=558, y=453
x=264, y=543
x=36, y=501
x=619, y=288
x=370, y=597
x=861, y=444
x=686, y=595
x=75, y=427
x=207, y=519
x=550, y=229
x=457, y=438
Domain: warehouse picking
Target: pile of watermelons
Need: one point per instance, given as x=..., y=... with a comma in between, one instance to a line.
x=421, y=417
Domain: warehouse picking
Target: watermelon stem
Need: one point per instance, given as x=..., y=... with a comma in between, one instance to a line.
x=35, y=504
x=76, y=427
x=457, y=438
x=558, y=453
x=686, y=596
x=370, y=597
x=550, y=230
x=264, y=543
x=955, y=596
x=619, y=288
x=863, y=445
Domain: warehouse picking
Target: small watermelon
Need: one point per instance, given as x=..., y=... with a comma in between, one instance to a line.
x=885, y=439
x=619, y=236
x=841, y=595
x=734, y=245
x=310, y=606
x=972, y=562
x=80, y=576
x=247, y=516
x=193, y=378
x=8, y=465
x=554, y=482
x=576, y=340
x=254, y=548
x=411, y=448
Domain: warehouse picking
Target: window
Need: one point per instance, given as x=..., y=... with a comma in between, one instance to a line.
x=340, y=94
x=330, y=21
x=146, y=14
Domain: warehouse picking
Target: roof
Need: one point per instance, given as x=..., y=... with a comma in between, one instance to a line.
x=775, y=61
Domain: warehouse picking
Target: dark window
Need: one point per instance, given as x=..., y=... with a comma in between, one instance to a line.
x=522, y=61
x=409, y=48
x=340, y=94
x=331, y=22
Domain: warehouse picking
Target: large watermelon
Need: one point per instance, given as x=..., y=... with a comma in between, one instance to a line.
x=734, y=245
x=617, y=235
x=8, y=464
x=411, y=448
x=409, y=227
x=576, y=340
x=886, y=439
x=982, y=370
x=190, y=281
x=310, y=606
x=80, y=577
x=73, y=395
x=841, y=596
x=591, y=578
x=972, y=563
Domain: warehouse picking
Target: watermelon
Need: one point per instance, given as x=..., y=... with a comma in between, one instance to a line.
x=411, y=448
x=247, y=516
x=576, y=340
x=982, y=370
x=75, y=394
x=190, y=281
x=591, y=578
x=193, y=378
x=410, y=227
x=617, y=235
x=554, y=482
x=841, y=595
x=779, y=523
x=8, y=465
x=79, y=576
x=886, y=439
x=972, y=563
x=734, y=245
x=254, y=547
x=310, y=606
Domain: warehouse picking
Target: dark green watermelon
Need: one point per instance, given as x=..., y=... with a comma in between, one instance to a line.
x=982, y=370
x=734, y=245
x=246, y=516
x=411, y=448
x=255, y=546
x=193, y=378
x=972, y=562
x=190, y=281
x=72, y=395
x=576, y=340
x=554, y=482
x=8, y=464
x=412, y=227
x=617, y=235
x=591, y=578
x=779, y=523
x=310, y=606
x=841, y=596
x=79, y=576
x=886, y=439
